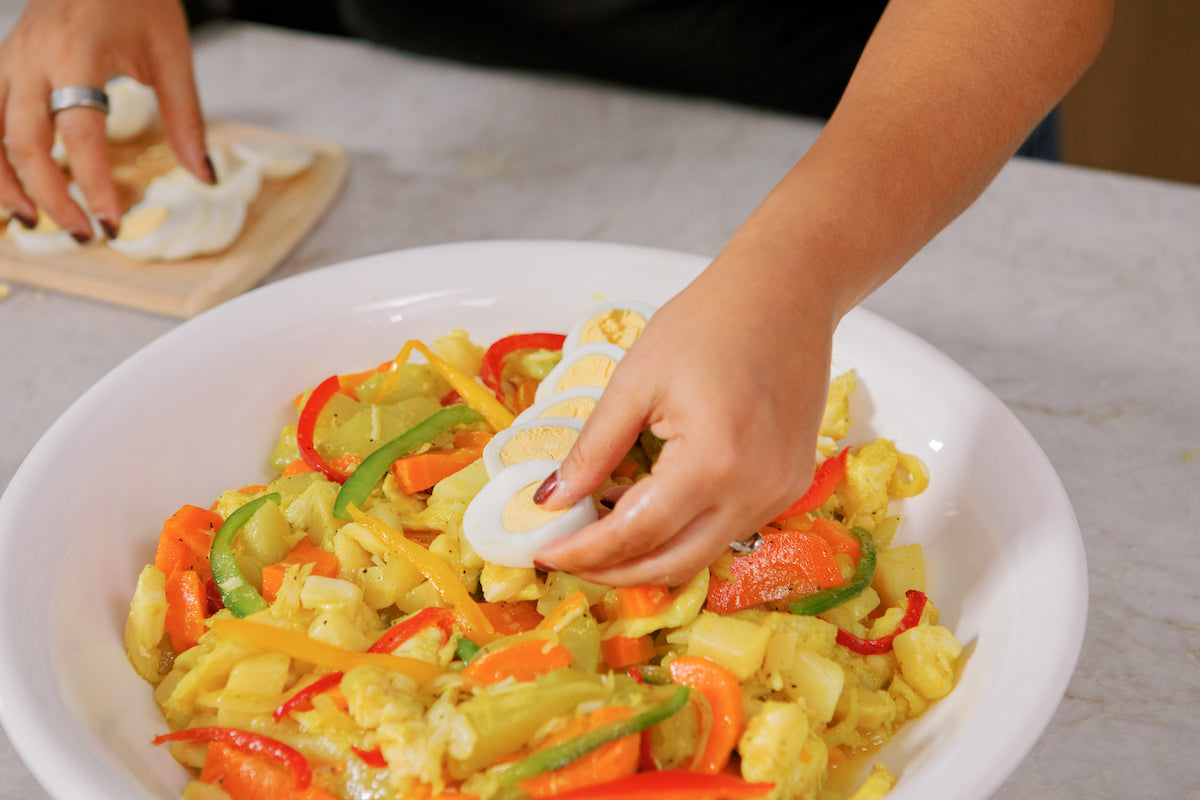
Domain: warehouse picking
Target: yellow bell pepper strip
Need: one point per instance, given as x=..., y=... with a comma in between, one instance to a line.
x=438, y=572
x=320, y=685
x=304, y=648
x=911, y=618
x=473, y=393
x=556, y=757
x=864, y=573
x=307, y=424
x=360, y=483
x=238, y=595
x=828, y=476
x=671, y=784
x=247, y=742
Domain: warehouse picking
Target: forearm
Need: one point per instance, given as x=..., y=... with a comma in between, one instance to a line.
x=944, y=93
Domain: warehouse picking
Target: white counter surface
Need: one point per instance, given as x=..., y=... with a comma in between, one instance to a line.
x=1071, y=293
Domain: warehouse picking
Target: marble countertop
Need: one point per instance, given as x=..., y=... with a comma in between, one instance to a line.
x=1070, y=293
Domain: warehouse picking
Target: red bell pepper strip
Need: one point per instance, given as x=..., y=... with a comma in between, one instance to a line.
x=828, y=476
x=308, y=423
x=671, y=784
x=321, y=684
x=247, y=742
x=372, y=758
x=432, y=617
x=493, y=360
x=868, y=647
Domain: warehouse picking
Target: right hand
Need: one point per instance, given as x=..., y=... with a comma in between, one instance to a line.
x=58, y=43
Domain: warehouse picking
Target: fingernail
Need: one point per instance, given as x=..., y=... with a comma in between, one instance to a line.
x=544, y=567
x=28, y=222
x=108, y=226
x=81, y=237
x=212, y=171
x=546, y=489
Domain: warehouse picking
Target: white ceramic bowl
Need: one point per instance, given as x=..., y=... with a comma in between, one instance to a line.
x=197, y=411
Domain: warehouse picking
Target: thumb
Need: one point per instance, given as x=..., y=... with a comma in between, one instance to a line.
x=607, y=436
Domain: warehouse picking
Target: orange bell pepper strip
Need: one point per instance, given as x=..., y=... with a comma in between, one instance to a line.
x=723, y=691
x=185, y=541
x=612, y=760
x=522, y=661
x=626, y=651
x=633, y=602
x=421, y=471
x=785, y=564
x=510, y=617
x=187, y=606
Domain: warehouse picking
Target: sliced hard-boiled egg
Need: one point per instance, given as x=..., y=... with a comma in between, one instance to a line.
x=277, y=160
x=587, y=365
x=153, y=228
x=619, y=323
x=131, y=109
x=544, y=438
x=46, y=238
x=222, y=226
x=236, y=179
x=506, y=527
x=577, y=402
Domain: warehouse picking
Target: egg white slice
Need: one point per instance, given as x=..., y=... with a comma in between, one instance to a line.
x=620, y=322
x=236, y=180
x=221, y=228
x=131, y=108
x=277, y=160
x=159, y=230
x=46, y=238
x=545, y=438
x=506, y=527
x=577, y=402
x=587, y=365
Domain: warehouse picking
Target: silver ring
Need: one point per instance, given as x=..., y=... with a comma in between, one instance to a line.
x=78, y=97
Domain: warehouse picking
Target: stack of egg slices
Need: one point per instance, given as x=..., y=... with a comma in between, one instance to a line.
x=503, y=523
x=178, y=216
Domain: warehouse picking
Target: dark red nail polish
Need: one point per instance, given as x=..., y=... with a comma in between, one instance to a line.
x=543, y=566
x=212, y=171
x=81, y=237
x=110, y=229
x=546, y=489
x=27, y=222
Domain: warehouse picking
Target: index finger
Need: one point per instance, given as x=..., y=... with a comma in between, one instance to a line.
x=174, y=84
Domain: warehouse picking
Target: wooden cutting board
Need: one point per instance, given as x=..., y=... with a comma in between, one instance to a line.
x=277, y=220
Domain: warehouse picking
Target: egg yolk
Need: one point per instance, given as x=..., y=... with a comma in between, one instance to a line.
x=619, y=326
x=142, y=222
x=552, y=442
x=521, y=514
x=577, y=407
x=591, y=370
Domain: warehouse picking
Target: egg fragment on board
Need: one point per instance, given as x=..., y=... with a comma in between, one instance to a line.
x=505, y=526
x=46, y=238
x=619, y=322
x=587, y=365
x=276, y=160
x=236, y=179
x=131, y=108
x=543, y=438
x=160, y=229
x=577, y=402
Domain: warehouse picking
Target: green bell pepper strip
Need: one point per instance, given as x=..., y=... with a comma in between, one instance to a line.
x=864, y=573
x=559, y=756
x=375, y=466
x=238, y=595
x=465, y=650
